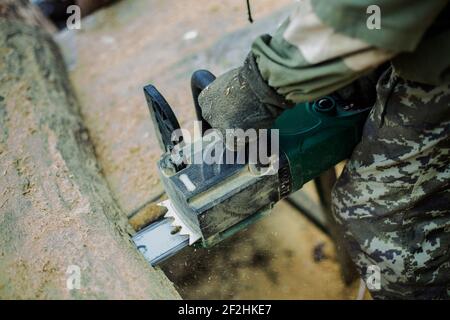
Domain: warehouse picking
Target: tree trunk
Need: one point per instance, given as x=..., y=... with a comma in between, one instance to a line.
x=58, y=221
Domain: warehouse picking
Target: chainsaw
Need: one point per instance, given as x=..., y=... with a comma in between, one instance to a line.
x=209, y=202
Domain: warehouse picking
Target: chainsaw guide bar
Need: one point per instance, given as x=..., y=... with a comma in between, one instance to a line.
x=165, y=237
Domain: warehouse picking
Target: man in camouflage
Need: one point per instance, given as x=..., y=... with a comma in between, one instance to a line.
x=392, y=199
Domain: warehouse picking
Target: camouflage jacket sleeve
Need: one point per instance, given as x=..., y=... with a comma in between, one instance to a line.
x=325, y=45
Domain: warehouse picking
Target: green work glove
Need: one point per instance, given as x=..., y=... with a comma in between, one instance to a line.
x=241, y=98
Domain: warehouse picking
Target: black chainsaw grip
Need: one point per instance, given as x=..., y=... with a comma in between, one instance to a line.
x=200, y=80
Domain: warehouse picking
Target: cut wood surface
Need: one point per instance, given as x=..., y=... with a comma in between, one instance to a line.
x=57, y=216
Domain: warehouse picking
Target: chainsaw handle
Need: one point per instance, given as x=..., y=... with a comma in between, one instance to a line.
x=200, y=80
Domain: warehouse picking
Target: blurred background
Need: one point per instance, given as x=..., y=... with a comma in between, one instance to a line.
x=124, y=45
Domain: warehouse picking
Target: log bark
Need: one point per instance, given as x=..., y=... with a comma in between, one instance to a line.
x=57, y=215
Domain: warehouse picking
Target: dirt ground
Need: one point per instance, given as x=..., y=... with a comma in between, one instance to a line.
x=135, y=42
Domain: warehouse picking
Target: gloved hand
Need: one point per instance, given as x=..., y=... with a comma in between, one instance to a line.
x=241, y=98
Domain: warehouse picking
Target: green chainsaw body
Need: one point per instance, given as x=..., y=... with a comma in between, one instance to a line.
x=316, y=138
x=312, y=139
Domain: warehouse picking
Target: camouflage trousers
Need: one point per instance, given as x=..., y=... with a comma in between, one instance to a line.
x=392, y=200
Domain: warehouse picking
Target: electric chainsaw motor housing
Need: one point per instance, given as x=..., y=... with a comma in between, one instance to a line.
x=209, y=202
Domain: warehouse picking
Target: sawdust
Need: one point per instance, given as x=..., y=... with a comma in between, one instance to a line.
x=147, y=215
x=273, y=259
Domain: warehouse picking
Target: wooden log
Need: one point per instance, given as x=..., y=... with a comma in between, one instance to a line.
x=62, y=235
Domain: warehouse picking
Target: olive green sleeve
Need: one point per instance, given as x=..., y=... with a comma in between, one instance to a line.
x=307, y=58
x=403, y=23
